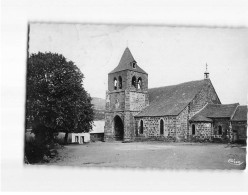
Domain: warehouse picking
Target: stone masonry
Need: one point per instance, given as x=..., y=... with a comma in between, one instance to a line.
x=125, y=98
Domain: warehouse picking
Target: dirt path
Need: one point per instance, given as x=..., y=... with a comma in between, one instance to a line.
x=151, y=155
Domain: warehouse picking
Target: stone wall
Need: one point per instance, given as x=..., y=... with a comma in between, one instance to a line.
x=125, y=102
x=115, y=101
x=151, y=126
x=109, y=127
x=182, y=124
x=137, y=101
x=129, y=126
x=129, y=100
x=226, y=130
x=203, y=131
x=210, y=131
x=239, y=130
x=96, y=137
x=206, y=95
x=127, y=76
x=123, y=75
x=178, y=127
x=144, y=77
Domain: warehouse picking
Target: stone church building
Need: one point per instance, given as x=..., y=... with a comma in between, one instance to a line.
x=187, y=111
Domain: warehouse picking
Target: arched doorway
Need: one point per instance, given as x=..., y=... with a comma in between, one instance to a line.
x=118, y=128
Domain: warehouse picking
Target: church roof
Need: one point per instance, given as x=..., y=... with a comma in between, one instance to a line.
x=200, y=118
x=171, y=100
x=240, y=114
x=217, y=111
x=125, y=63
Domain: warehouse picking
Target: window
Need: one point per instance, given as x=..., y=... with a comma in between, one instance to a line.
x=134, y=81
x=139, y=83
x=161, y=127
x=115, y=83
x=120, y=82
x=193, y=129
x=141, y=127
x=220, y=130
x=133, y=64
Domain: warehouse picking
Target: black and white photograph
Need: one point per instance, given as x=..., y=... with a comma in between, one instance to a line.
x=106, y=101
x=136, y=96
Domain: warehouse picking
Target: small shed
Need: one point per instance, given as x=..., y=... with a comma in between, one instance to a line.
x=79, y=138
x=73, y=137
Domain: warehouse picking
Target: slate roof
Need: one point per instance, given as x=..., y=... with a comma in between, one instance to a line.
x=200, y=118
x=216, y=111
x=125, y=63
x=240, y=114
x=171, y=100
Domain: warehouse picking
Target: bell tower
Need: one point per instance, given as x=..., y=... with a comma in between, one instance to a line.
x=126, y=96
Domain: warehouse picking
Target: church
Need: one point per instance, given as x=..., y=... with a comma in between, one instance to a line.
x=184, y=112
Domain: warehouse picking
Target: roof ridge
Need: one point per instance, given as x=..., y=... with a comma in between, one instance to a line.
x=240, y=113
x=223, y=104
x=234, y=112
x=200, y=110
x=197, y=117
x=177, y=84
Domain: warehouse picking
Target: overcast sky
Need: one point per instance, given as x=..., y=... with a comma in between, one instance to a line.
x=170, y=55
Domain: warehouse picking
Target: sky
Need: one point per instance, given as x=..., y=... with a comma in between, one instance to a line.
x=170, y=55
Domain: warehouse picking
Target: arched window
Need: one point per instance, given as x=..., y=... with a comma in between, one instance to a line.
x=193, y=129
x=115, y=83
x=220, y=130
x=133, y=64
x=141, y=127
x=134, y=81
x=120, y=82
x=139, y=83
x=161, y=127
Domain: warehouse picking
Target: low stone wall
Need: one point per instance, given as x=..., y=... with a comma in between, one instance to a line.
x=97, y=137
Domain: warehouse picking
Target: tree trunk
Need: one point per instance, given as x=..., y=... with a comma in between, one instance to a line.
x=66, y=138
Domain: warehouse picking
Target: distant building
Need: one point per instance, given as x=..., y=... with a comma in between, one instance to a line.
x=79, y=138
x=97, y=133
x=187, y=111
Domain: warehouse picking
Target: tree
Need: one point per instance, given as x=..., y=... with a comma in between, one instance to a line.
x=56, y=98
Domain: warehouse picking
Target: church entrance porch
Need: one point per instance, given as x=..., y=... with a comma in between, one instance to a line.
x=118, y=129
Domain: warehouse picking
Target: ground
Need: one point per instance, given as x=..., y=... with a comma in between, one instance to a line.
x=152, y=155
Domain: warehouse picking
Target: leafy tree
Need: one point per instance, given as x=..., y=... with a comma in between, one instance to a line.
x=56, y=98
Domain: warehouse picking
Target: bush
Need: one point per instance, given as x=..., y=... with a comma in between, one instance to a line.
x=37, y=149
x=34, y=152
